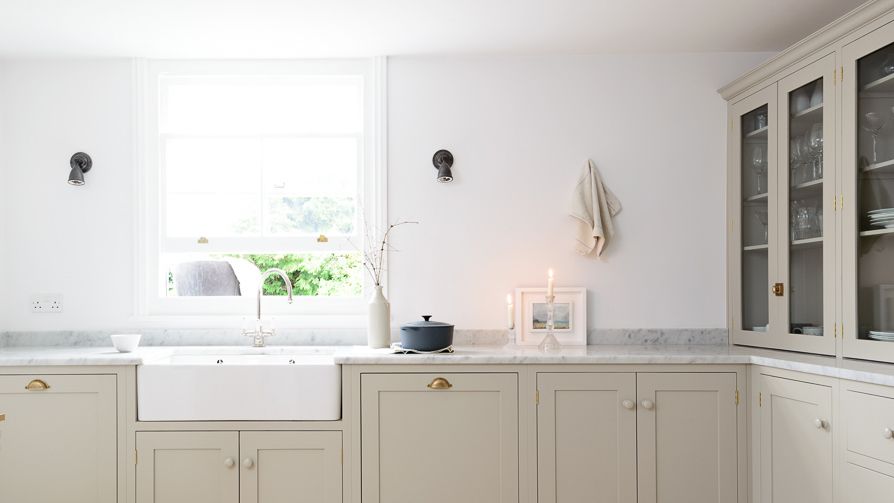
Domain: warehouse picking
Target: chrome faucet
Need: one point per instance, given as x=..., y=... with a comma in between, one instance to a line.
x=259, y=334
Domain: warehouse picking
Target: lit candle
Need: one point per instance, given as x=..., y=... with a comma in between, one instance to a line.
x=550, y=287
x=510, y=312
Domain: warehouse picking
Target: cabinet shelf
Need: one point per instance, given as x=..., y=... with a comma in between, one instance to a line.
x=758, y=133
x=808, y=243
x=756, y=247
x=813, y=186
x=757, y=197
x=884, y=84
x=880, y=166
x=810, y=113
x=876, y=232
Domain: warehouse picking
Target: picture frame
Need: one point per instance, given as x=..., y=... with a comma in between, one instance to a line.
x=569, y=316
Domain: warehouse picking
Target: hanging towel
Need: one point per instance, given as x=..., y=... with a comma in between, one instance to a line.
x=593, y=205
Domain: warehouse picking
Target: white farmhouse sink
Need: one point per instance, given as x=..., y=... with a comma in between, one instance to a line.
x=240, y=384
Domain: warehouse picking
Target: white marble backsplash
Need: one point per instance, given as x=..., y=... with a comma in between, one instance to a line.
x=345, y=337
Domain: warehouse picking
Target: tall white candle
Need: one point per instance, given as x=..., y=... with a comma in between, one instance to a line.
x=550, y=287
x=510, y=312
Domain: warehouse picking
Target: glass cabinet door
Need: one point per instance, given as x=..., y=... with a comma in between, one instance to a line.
x=868, y=196
x=806, y=283
x=753, y=237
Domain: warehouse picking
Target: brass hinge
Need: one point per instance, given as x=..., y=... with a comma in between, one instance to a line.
x=135, y=457
x=834, y=203
x=835, y=331
x=760, y=399
x=537, y=397
x=842, y=73
x=737, y=396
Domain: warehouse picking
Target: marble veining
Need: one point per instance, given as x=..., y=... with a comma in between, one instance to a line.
x=344, y=337
x=870, y=372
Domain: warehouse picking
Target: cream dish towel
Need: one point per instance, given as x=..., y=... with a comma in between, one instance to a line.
x=593, y=205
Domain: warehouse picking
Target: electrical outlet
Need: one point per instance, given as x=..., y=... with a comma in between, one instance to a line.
x=47, y=303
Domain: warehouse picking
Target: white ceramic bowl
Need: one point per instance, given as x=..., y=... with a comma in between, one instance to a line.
x=812, y=330
x=126, y=343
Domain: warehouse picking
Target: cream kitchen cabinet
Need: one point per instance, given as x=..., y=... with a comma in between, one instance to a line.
x=645, y=437
x=439, y=438
x=234, y=467
x=794, y=420
x=867, y=462
x=58, y=438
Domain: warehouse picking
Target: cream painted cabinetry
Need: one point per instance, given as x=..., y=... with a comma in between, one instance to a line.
x=645, y=437
x=58, y=439
x=238, y=467
x=868, y=443
x=796, y=441
x=586, y=437
x=439, y=438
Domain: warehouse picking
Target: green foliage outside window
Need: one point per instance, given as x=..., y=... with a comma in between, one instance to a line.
x=312, y=274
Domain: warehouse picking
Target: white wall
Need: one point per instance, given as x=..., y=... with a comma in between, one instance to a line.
x=520, y=129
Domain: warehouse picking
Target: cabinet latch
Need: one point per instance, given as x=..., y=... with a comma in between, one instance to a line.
x=778, y=289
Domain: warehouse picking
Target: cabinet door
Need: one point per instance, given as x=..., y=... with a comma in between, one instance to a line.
x=796, y=441
x=806, y=300
x=586, y=438
x=687, y=438
x=868, y=196
x=58, y=443
x=752, y=210
x=439, y=438
x=187, y=467
x=290, y=467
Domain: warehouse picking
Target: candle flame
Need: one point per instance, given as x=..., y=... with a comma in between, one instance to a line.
x=550, y=272
x=509, y=298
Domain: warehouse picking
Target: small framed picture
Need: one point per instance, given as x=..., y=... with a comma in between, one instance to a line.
x=569, y=316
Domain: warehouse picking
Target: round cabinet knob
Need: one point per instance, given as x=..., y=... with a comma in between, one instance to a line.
x=819, y=423
x=888, y=433
x=628, y=404
x=648, y=404
x=229, y=462
x=248, y=463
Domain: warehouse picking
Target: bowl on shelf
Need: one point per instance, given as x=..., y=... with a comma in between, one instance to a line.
x=812, y=330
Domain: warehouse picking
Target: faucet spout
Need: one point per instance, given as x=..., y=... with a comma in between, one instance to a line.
x=258, y=334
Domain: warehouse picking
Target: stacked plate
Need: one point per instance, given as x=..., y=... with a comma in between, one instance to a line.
x=882, y=218
x=881, y=336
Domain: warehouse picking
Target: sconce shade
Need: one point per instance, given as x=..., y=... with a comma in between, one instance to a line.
x=443, y=161
x=80, y=163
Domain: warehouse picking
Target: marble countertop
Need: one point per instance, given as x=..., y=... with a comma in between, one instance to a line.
x=878, y=373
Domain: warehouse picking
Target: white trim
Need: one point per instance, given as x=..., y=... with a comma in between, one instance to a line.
x=151, y=310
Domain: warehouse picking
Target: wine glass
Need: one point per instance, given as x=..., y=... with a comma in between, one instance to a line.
x=873, y=123
x=816, y=147
x=762, y=216
x=795, y=155
x=760, y=167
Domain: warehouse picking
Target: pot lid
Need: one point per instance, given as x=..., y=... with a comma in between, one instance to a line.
x=426, y=322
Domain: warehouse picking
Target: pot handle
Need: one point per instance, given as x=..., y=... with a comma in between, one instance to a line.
x=426, y=317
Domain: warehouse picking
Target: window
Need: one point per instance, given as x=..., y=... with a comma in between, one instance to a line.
x=254, y=165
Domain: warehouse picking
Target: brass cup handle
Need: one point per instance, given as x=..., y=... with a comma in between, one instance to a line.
x=37, y=385
x=439, y=383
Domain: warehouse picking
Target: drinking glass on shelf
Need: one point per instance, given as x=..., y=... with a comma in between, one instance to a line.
x=795, y=156
x=760, y=121
x=759, y=164
x=762, y=217
x=873, y=123
x=816, y=147
x=804, y=148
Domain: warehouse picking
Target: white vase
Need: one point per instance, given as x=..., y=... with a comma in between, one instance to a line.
x=378, y=330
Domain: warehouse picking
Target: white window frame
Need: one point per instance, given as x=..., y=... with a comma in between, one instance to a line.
x=151, y=308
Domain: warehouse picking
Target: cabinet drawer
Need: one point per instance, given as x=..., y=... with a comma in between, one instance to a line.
x=863, y=485
x=867, y=416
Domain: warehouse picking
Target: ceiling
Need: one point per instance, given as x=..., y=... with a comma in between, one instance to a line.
x=327, y=28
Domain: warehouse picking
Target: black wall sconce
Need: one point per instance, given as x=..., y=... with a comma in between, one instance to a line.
x=443, y=161
x=80, y=163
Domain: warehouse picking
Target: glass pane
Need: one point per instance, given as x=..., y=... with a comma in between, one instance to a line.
x=755, y=263
x=192, y=215
x=311, y=166
x=311, y=215
x=213, y=275
x=262, y=105
x=805, y=169
x=875, y=193
x=212, y=166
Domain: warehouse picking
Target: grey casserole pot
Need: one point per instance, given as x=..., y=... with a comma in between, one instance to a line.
x=426, y=335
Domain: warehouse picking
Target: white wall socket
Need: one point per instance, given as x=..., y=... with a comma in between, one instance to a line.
x=47, y=303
